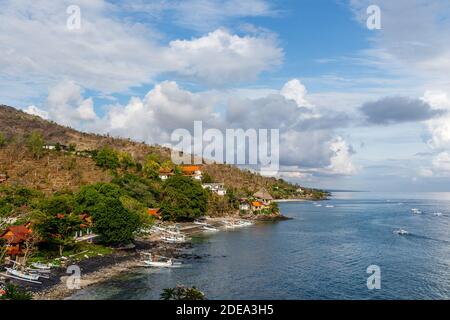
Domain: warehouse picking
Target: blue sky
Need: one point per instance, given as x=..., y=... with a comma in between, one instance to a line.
x=356, y=108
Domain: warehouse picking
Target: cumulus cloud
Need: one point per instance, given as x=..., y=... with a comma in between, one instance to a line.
x=220, y=57
x=35, y=111
x=296, y=91
x=438, y=128
x=167, y=107
x=66, y=105
x=341, y=159
x=391, y=110
x=110, y=54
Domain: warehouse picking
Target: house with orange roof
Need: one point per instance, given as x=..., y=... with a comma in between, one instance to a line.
x=15, y=237
x=155, y=212
x=194, y=171
x=165, y=173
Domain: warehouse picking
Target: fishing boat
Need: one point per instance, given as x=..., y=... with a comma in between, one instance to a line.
x=416, y=211
x=41, y=266
x=179, y=238
x=153, y=261
x=401, y=232
x=210, y=228
x=22, y=275
x=437, y=214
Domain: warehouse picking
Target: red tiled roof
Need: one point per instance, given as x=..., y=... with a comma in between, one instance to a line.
x=16, y=234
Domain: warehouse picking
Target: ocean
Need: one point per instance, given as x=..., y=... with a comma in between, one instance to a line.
x=322, y=253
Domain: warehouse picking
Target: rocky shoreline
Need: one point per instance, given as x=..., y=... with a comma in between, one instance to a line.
x=102, y=268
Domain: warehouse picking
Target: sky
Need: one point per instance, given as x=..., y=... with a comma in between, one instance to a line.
x=357, y=108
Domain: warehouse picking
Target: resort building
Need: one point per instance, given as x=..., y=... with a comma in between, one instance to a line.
x=192, y=171
x=154, y=212
x=15, y=237
x=218, y=188
x=85, y=233
x=244, y=205
x=264, y=196
x=165, y=173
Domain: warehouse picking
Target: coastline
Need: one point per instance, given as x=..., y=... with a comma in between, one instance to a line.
x=103, y=268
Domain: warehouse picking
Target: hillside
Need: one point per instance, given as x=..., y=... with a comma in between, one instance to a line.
x=56, y=171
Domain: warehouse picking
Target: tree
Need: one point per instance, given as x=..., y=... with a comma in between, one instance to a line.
x=107, y=158
x=112, y=221
x=126, y=160
x=182, y=293
x=58, y=229
x=35, y=144
x=151, y=168
x=183, y=199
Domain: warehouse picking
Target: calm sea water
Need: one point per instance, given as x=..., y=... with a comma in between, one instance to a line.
x=323, y=253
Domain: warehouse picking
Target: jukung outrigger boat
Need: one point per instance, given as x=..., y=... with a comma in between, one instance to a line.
x=153, y=261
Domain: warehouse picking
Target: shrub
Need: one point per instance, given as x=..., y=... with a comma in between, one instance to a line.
x=183, y=199
x=107, y=158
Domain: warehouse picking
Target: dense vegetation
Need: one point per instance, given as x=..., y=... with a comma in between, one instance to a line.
x=113, y=181
x=183, y=199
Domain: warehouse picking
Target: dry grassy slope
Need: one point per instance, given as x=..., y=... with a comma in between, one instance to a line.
x=57, y=171
x=14, y=122
x=53, y=172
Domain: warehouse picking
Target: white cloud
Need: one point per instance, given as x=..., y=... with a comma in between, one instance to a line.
x=295, y=90
x=165, y=108
x=441, y=163
x=202, y=15
x=110, y=54
x=413, y=38
x=440, y=127
x=341, y=160
x=221, y=57
x=65, y=104
x=35, y=111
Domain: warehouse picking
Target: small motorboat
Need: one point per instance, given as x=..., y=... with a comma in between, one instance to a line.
x=210, y=228
x=174, y=238
x=154, y=262
x=401, y=232
x=22, y=275
x=318, y=205
x=159, y=264
x=329, y=206
x=41, y=266
x=416, y=211
x=437, y=214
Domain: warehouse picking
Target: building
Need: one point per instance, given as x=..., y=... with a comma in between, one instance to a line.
x=15, y=237
x=263, y=196
x=192, y=171
x=165, y=173
x=218, y=188
x=244, y=205
x=154, y=212
x=85, y=233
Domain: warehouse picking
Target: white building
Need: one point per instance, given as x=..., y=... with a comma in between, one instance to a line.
x=218, y=188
